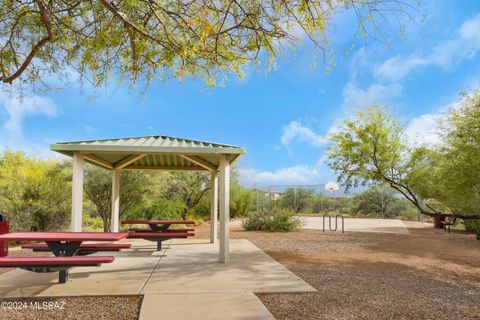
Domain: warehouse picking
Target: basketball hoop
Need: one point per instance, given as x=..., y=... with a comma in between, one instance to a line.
x=331, y=186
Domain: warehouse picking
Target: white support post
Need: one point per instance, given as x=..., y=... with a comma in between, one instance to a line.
x=115, y=200
x=77, y=192
x=213, y=207
x=224, y=184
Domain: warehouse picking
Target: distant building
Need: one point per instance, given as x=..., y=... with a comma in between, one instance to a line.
x=273, y=194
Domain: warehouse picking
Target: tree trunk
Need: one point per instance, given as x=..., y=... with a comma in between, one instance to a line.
x=106, y=223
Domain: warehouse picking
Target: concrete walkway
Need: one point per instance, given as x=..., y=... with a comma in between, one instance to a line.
x=183, y=281
x=358, y=225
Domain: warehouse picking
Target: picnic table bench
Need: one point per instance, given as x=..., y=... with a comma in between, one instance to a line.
x=64, y=246
x=159, y=230
x=83, y=249
x=449, y=224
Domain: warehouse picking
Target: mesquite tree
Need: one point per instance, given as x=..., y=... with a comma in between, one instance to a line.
x=371, y=147
x=147, y=39
x=134, y=188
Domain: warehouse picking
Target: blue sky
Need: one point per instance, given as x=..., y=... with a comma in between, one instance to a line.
x=281, y=117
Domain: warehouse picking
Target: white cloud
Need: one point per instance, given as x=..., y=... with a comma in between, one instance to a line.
x=302, y=174
x=297, y=131
x=355, y=97
x=299, y=174
x=424, y=130
x=470, y=31
x=17, y=108
x=427, y=129
x=445, y=55
x=398, y=67
x=89, y=129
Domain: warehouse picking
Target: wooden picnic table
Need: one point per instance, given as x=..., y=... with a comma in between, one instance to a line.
x=64, y=244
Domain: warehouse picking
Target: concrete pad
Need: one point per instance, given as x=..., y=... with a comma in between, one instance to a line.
x=193, y=267
x=359, y=225
x=211, y=306
x=183, y=281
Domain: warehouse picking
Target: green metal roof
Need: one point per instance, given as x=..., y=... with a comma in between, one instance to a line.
x=152, y=152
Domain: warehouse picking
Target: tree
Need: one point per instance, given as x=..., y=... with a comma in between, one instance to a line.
x=241, y=198
x=34, y=194
x=451, y=172
x=134, y=187
x=189, y=187
x=296, y=199
x=145, y=40
x=378, y=200
x=371, y=147
x=461, y=168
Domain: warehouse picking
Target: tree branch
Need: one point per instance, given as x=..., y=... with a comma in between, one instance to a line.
x=123, y=17
x=36, y=47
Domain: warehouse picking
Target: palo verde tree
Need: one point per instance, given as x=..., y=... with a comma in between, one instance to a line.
x=34, y=194
x=149, y=39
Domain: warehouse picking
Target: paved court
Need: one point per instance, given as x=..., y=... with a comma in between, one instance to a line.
x=184, y=280
x=359, y=225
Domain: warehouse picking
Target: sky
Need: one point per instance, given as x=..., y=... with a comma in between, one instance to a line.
x=282, y=118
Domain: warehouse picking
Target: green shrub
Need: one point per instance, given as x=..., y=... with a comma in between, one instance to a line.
x=410, y=213
x=473, y=226
x=162, y=209
x=92, y=223
x=276, y=220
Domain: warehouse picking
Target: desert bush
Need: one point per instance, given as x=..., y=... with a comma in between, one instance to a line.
x=473, y=226
x=92, y=223
x=34, y=193
x=161, y=208
x=276, y=220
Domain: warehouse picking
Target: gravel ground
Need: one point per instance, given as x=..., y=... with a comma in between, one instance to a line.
x=71, y=308
x=427, y=274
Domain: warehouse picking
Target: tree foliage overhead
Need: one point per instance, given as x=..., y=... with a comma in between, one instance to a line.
x=148, y=39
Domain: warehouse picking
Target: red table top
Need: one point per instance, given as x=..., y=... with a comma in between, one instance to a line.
x=158, y=222
x=64, y=236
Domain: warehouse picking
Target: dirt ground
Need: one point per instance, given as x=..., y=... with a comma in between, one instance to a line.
x=427, y=274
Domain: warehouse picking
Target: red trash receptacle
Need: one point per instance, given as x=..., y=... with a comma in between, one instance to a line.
x=4, y=228
x=438, y=222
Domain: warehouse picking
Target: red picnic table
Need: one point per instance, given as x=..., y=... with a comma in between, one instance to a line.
x=160, y=225
x=159, y=230
x=64, y=246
